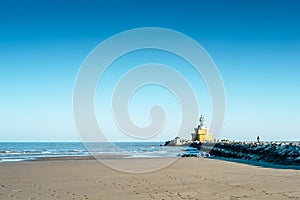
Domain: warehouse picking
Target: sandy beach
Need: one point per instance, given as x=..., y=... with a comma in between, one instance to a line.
x=187, y=178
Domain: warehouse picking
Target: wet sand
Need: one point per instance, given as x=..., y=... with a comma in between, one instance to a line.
x=186, y=178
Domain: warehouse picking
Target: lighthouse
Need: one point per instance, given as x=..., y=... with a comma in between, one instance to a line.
x=201, y=132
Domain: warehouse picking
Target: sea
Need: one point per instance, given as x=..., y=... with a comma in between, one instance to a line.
x=28, y=151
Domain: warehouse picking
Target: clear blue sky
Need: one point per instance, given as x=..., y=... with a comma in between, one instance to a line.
x=255, y=44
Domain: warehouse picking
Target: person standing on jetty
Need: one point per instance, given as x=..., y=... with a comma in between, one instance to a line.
x=258, y=139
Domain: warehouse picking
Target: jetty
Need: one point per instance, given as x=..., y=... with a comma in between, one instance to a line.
x=283, y=153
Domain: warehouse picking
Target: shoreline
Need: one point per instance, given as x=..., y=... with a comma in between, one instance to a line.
x=122, y=157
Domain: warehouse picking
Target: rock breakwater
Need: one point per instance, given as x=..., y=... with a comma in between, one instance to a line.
x=284, y=153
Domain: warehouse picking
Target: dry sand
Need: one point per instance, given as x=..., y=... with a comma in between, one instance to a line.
x=187, y=178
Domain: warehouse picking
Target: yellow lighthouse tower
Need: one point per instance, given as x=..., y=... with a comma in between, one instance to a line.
x=201, y=132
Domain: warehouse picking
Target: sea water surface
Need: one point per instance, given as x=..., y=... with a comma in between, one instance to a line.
x=24, y=151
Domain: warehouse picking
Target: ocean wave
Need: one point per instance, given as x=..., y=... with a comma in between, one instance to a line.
x=12, y=159
x=27, y=151
x=8, y=152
